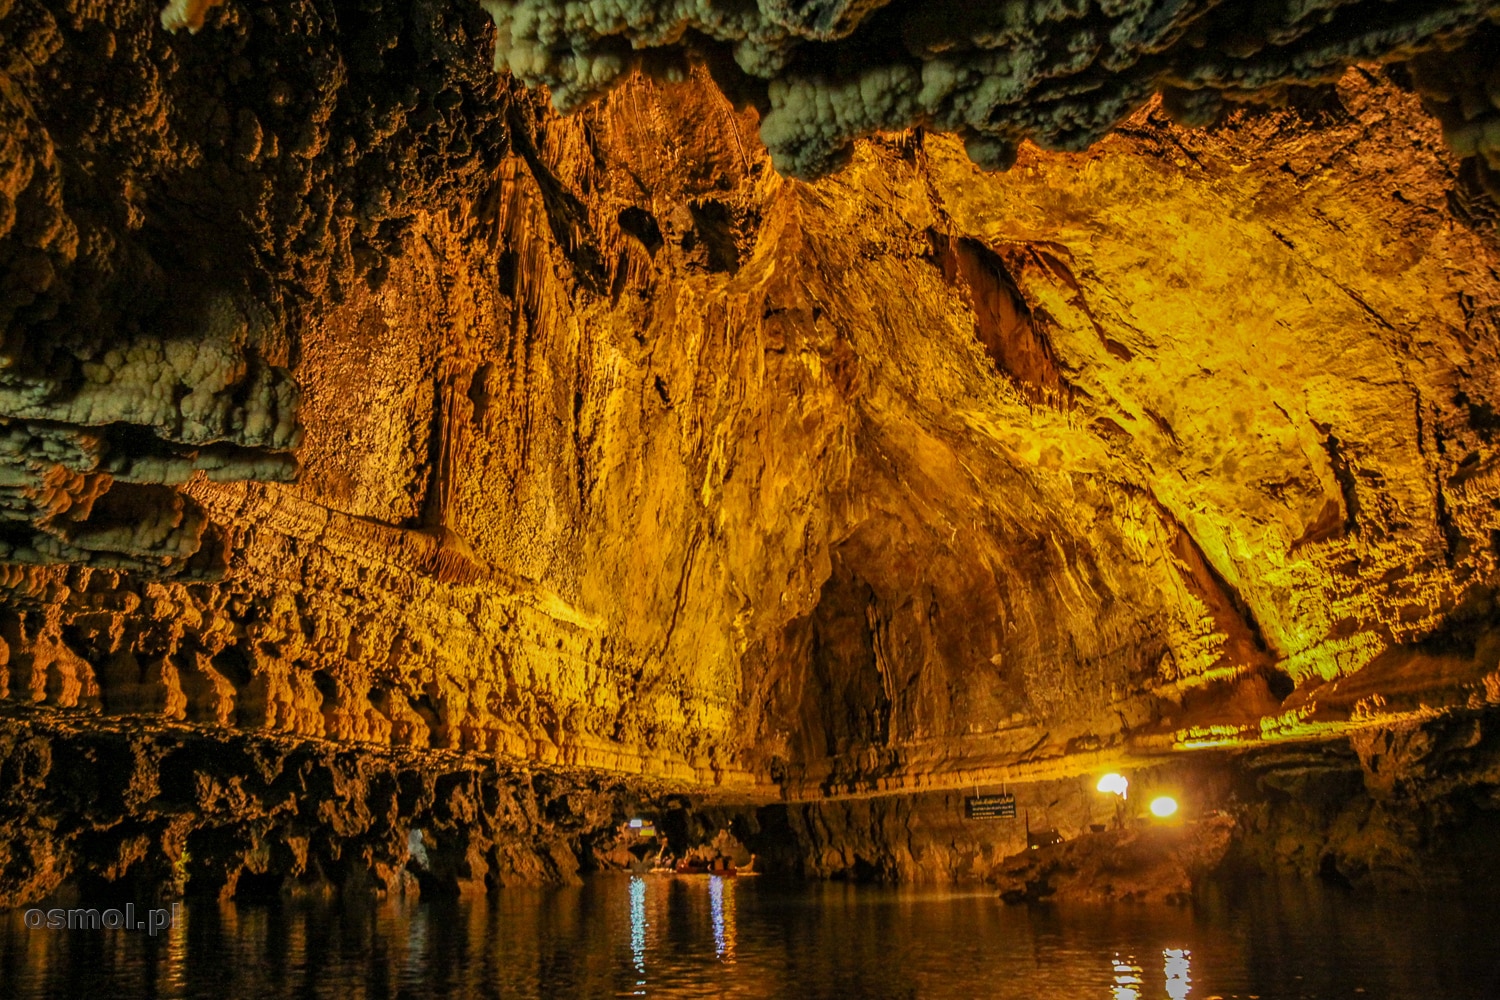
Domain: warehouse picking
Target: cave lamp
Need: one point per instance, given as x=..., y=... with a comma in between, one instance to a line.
x=1114, y=784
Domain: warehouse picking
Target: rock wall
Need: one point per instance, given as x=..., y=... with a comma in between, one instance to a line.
x=356, y=396
x=169, y=214
x=1414, y=806
x=148, y=811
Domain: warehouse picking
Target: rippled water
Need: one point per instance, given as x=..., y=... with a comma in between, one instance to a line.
x=663, y=937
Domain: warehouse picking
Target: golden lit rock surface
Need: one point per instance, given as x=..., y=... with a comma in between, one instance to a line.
x=617, y=449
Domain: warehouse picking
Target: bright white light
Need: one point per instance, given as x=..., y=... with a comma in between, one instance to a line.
x=1176, y=965
x=1163, y=807
x=716, y=908
x=636, y=824
x=1114, y=784
x=638, y=930
x=1127, y=979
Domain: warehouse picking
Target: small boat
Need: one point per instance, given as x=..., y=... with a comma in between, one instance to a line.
x=721, y=866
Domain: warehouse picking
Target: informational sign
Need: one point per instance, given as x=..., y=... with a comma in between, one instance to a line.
x=990, y=807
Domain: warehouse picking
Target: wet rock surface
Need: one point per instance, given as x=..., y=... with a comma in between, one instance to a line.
x=1414, y=808
x=1141, y=864
x=1406, y=808
x=145, y=811
x=130, y=807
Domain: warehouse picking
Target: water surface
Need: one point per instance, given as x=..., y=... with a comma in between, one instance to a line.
x=664, y=937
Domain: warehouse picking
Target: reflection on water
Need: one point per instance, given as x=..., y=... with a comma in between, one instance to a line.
x=750, y=938
x=638, y=931
x=721, y=901
x=1127, y=984
x=1177, y=963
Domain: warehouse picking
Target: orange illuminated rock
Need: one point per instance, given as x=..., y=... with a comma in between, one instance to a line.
x=371, y=401
x=1145, y=864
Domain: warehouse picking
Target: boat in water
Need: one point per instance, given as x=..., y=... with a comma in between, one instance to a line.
x=722, y=866
x=711, y=866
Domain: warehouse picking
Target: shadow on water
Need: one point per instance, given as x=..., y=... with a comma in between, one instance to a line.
x=711, y=937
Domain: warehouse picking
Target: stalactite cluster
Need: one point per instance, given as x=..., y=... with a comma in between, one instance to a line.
x=1060, y=73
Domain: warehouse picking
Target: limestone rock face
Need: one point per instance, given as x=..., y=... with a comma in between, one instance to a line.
x=1141, y=865
x=1403, y=807
x=166, y=215
x=355, y=395
x=139, y=808
x=1409, y=806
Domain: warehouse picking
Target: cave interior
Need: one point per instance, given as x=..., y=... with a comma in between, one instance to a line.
x=436, y=433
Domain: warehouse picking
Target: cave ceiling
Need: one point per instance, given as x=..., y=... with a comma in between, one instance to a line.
x=1060, y=73
x=742, y=425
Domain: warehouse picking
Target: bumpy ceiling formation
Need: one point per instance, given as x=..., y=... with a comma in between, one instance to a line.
x=1060, y=73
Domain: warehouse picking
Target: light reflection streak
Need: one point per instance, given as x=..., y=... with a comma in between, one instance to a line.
x=721, y=901
x=416, y=946
x=638, y=932
x=1127, y=985
x=174, y=973
x=1176, y=966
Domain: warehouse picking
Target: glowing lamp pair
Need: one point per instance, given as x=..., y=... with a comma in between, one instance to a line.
x=1162, y=807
